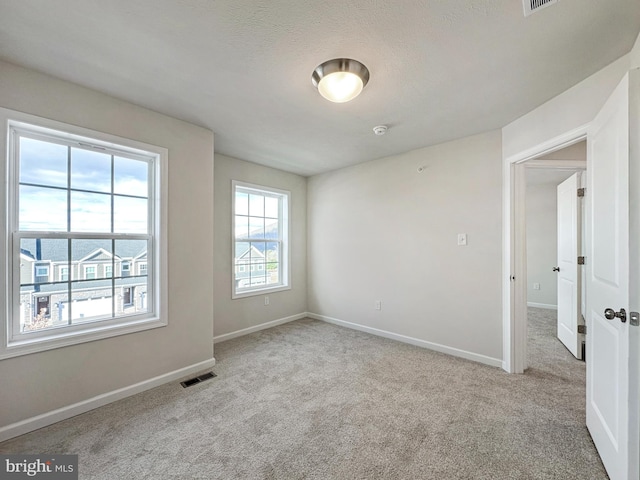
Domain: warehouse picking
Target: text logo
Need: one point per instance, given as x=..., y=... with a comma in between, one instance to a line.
x=50, y=467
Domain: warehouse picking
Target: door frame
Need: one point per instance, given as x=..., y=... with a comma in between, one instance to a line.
x=514, y=287
x=514, y=275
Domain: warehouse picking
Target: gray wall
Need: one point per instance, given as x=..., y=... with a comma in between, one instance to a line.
x=242, y=313
x=541, y=212
x=41, y=382
x=382, y=231
x=542, y=243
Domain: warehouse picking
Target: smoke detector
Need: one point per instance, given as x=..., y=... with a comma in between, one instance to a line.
x=380, y=130
x=532, y=6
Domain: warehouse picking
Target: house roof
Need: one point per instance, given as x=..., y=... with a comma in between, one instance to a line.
x=243, y=249
x=440, y=70
x=56, y=250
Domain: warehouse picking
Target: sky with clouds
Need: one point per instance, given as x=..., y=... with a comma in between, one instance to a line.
x=44, y=176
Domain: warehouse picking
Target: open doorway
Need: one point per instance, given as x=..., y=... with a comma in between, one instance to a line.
x=555, y=291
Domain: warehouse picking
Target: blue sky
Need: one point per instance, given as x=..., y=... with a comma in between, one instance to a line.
x=45, y=208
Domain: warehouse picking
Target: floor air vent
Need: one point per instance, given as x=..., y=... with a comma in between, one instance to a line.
x=198, y=379
x=532, y=6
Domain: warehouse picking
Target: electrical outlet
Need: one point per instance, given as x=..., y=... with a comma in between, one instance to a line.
x=462, y=239
x=266, y=301
x=378, y=305
x=536, y=286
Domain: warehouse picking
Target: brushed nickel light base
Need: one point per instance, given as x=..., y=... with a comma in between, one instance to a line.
x=341, y=79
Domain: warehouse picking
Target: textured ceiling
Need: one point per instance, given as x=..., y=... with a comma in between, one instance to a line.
x=440, y=69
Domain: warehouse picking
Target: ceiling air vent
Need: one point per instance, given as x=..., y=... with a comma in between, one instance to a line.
x=532, y=6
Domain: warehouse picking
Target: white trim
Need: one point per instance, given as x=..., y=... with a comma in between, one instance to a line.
x=49, y=418
x=157, y=158
x=95, y=271
x=94, y=253
x=45, y=267
x=456, y=352
x=101, y=331
x=547, y=306
x=257, y=328
x=284, y=222
x=556, y=143
x=514, y=255
x=261, y=291
x=569, y=165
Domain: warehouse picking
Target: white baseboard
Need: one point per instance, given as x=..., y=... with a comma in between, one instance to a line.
x=257, y=328
x=49, y=418
x=542, y=305
x=476, y=357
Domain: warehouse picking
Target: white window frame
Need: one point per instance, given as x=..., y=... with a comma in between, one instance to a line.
x=14, y=343
x=45, y=267
x=60, y=273
x=140, y=269
x=95, y=271
x=284, y=217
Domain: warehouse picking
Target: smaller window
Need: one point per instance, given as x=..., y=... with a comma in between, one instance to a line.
x=64, y=274
x=260, y=237
x=42, y=271
x=108, y=270
x=142, y=269
x=90, y=272
x=241, y=268
x=126, y=266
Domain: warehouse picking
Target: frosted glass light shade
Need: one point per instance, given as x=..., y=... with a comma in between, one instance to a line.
x=340, y=87
x=341, y=79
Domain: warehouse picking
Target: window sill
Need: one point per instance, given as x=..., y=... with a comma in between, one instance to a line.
x=59, y=340
x=261, y=291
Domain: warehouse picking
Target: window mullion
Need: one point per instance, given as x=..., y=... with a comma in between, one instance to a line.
x=69, y=284
x=68, y=189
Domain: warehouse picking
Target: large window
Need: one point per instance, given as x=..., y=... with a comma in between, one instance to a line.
x=79, y=202
x=261, y=239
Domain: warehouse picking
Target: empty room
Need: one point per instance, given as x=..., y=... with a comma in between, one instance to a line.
x=288, y=240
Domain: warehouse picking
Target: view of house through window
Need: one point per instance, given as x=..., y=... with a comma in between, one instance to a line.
x=83, y=229
x=260, y=239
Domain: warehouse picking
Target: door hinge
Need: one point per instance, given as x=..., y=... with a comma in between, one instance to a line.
x=582, y=329
x=580, y=260
x=581, y=192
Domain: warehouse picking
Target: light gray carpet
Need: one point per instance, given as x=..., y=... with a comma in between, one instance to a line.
x=312, y=400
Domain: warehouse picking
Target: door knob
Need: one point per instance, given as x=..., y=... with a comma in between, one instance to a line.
x=610, y=314
x=556, y=269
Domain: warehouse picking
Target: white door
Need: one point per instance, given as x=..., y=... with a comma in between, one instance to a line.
x=568, y=270
x=607, y=262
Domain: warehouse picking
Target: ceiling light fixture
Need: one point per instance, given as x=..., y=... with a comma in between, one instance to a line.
x=340, y=80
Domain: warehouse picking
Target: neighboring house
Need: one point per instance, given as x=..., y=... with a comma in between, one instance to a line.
x=250, y=262
x=256, y=262
x=91, y=276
